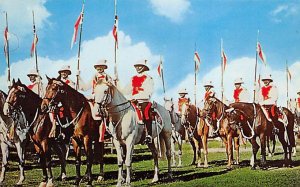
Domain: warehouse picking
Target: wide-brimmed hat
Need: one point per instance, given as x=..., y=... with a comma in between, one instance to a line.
x=65, y=68
x=208, y=84
x=33, y=72
x=182, y=91
x=102, y=63
x=238, y=81
x=298, y=92
x=267, y=77
x=142, y=63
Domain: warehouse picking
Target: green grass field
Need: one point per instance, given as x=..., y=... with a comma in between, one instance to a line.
x=215, y=175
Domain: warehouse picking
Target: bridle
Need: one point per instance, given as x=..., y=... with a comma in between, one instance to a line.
x=52, y=105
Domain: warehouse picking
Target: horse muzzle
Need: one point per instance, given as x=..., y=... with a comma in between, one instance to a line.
x=7, y=109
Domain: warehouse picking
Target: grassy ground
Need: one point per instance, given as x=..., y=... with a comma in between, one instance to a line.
x=215, y=175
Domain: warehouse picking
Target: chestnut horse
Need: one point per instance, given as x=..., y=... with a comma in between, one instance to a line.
x=214, y=114
x=77, y=109
x=22, y=98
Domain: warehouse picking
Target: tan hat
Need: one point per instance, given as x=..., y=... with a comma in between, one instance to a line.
x=298, y=92
x=182, y=91
x=65, y=68
x=267, y=77
x=142, y=63
x=239, y=81
x=33, y=72
x=208, y=84
x=102, y=63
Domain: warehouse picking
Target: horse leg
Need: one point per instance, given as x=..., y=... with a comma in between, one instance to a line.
x=229, y=151
x=255, y=148
x=154, y=154
x=47, y=155
x=20, y=150
x=120, y=162
x=77, y=150
x=42, y=156
x=194, y=150
x=61, y=152
x=179, y=151
x=274, y=144
x=205, y=149
x=198, y=150
x=263, y=161
x=284, y=146
x=101, y=161
x=173, y=152
x=237, y=149
x=89, y=159
x=5, y=154
x=167, y=139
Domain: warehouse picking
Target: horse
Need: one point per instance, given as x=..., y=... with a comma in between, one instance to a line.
x=178, y=132
x=127, y=132
x=214, y=114
x=16, y=123
x=253, y=123
x=78, y=110
x=21, y=98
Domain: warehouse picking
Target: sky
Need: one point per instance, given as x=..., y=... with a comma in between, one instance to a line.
x=152, y=29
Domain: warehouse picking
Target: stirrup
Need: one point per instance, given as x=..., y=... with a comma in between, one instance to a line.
x=148, y=139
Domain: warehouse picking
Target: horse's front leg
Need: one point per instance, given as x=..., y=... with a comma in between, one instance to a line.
x=42, y=156
x=229, y=151
x=47, y=155
x=20, y=150
x=263, y=161
x=77, y=150
x=100, y=146
x=173, y=152
x=191, y=140
x=179, y=151
x=60, y=149
x=284, y=146
x=89, y=159
x=155, y=157
x=237, y=149
x=5, y=154
x=255, y=148
x=120, y=161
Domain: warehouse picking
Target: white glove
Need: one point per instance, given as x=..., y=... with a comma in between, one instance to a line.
x=78, y=73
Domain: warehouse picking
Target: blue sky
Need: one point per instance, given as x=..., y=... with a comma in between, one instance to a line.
x=169, y=28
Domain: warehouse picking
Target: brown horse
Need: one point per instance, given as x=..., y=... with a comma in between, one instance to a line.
x=214, y=114
x=253, y=123
x=22, y=98
x=78, y=110
x=197, y=133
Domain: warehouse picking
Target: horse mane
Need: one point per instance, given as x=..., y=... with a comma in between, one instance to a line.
x=31, y=94
x=3, y=93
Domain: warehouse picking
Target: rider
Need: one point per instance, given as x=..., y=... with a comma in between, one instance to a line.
x=209, y=92
x=298, y=105
x=141, y=89
x=240, y=94
x=182, y=99
x=267, y=97
x=36, y=84
x=64, y=73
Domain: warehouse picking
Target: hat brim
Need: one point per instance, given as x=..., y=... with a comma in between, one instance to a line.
x=239, y=83
x=182, y=93
x=28, y=75
x=105, y=66
x=271, y=80
x=146, y=68
x=69, y=71
x=208, y=86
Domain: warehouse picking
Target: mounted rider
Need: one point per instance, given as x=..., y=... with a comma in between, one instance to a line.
x=64, y=73
x=240, y=93
x=36, y=83
x=267, y=98
x=209, y=92
x=182, y=100
x=298, y=105
x=140, y=90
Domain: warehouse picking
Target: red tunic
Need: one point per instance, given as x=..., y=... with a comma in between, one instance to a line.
x=236, y=94
x=137, y=83
x=298, y=102
x=207, y=94
x=265, y=92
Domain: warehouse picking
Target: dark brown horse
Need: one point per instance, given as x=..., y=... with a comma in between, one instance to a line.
x=85, y=127
x=253, y=123
x=215, y=115
x=22, y=98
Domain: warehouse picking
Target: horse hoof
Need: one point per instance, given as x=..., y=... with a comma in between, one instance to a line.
x=154, y=180
x=50, y=183
x=229, y=167
x=119, y=184
x=253, y=168
x=100, y=178
x=179, y=165
x=43, y=184
x=205, y=166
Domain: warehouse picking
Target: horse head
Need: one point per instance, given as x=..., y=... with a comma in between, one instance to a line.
x=16, y=96
x=55, y=92
x=103, y=92
x=209, y=107
x=169, y=104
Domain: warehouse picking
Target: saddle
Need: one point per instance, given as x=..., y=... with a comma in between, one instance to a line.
x=273, y=112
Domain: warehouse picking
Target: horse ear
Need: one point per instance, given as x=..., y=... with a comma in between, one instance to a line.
x=13, y=82
x=18, y=82
x=48, y=78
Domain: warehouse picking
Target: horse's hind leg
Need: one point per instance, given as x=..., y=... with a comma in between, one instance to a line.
x=20, y=150
x=61, y=152
x=284, y=146
x=167, y=138
x=173, y=151
x=194, y=151
x=100, y=146
x=155, y=157
x=5, y=154
x=237, y=149
x=120, y=161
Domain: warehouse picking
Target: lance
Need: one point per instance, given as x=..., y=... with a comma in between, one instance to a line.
x=195, y=76
x=287, y=85
x=79, y=47
x=35, y=52
x=116, y=43
x=7, y=51
x=162, y=76
x=222, y=72
x=255, y=71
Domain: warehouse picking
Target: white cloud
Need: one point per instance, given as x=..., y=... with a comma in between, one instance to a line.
x=20, y=15
x=92, y=50
x=241, y=67
x=284, y=11
x=174, y=10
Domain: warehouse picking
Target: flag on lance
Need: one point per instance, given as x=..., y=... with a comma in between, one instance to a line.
x=5, y=41
x=160, y=68
x=33, y=45
x=115, y=30
x=76, y=27
x=197, y=61
x=224, y=60
x=261, y=54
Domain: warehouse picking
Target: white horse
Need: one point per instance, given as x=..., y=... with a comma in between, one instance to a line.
x=177, y=132
x=15, y=120
x=126, y=132
x=293, y=108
